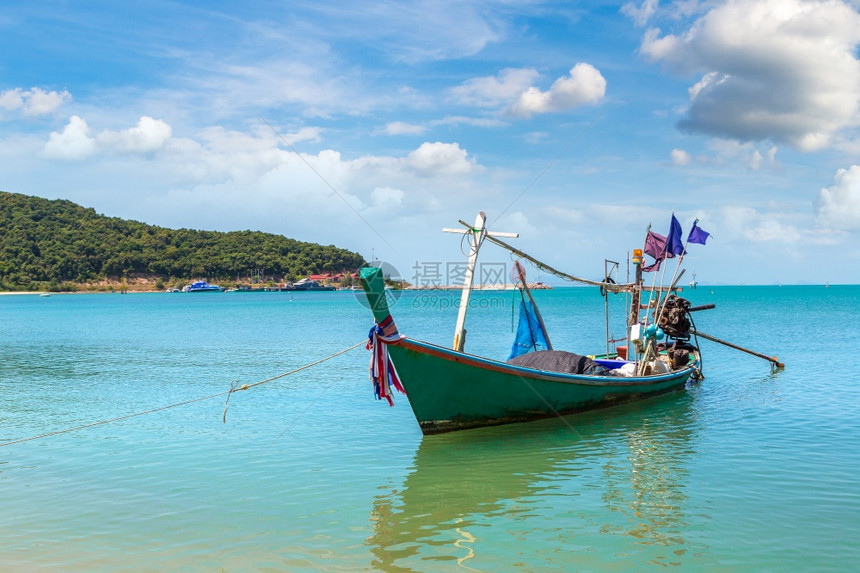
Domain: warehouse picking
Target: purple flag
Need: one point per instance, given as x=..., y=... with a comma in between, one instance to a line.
x=655, y=245
x=697, y=235
x=674, y=243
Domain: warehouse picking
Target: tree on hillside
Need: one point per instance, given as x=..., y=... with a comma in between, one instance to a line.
x=51, y=242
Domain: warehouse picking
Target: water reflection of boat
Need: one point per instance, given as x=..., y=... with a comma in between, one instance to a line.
x=470, y=495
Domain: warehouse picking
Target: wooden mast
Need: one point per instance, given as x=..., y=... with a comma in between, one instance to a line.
x=477, y=234
x=475, y=239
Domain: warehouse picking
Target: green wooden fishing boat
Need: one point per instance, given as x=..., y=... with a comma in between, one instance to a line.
x=449, y=389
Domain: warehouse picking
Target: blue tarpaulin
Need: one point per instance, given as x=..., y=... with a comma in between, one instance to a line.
x=530, y=335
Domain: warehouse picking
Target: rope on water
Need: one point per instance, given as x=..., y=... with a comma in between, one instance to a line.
x=234, y=388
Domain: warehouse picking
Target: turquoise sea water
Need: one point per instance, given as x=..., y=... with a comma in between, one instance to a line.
x=746, y=471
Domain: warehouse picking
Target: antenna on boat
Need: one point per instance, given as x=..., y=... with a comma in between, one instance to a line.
x=476, y=238
x=608, y=268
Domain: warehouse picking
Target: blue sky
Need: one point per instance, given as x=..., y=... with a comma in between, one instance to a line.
x=372, y=125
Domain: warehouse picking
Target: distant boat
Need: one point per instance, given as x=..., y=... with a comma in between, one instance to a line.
x=202, y=286
x=246, y=288
x=173, y=289
x=280, y=287
x=308, y=284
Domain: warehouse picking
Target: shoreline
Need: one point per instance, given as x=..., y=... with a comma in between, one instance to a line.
x=116, y=289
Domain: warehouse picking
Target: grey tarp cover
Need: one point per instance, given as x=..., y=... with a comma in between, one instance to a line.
x=560, y=361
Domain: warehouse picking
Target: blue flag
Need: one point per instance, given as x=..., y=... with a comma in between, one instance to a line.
x=674, y=243
x=697, y=234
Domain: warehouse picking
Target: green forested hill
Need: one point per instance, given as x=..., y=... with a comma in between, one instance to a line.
x=45, y=243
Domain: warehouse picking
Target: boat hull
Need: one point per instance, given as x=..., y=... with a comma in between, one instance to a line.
x=451, y=391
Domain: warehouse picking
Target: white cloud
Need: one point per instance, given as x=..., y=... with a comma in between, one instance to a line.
x=147, y=136
x=513, y=222
x=420, y=31
x=680, y=157
x=535, y=137
x=774, y=230
x=73, y=143
x=40, y=102
x=685, y=8
x=492, y=91
x=749, y=224
x=304, y=134
x=584, y=85
x=770, y=157
x=473, y=121
x=33, y=102
x=756, y=160
x=386, y=196
x=432, y=159
x=641, y=14
x=838, y=206
x=565, y=216
x=744, y=153
x=232, y=180
x=11, y=99
x=403, y=128
x=76, y=143
x=658, y=48
x=784, y=70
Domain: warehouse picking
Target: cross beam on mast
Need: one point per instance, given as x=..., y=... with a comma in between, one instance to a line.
x=610, y=287
x=477, y=234
x=543, y=266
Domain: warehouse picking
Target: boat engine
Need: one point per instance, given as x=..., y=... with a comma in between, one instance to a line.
x=674, y=319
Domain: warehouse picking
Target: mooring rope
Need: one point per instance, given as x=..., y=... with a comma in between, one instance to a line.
x=234, y=388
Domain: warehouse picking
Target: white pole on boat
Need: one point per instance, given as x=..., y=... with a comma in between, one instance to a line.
x=476, y=237
x=635, y=298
